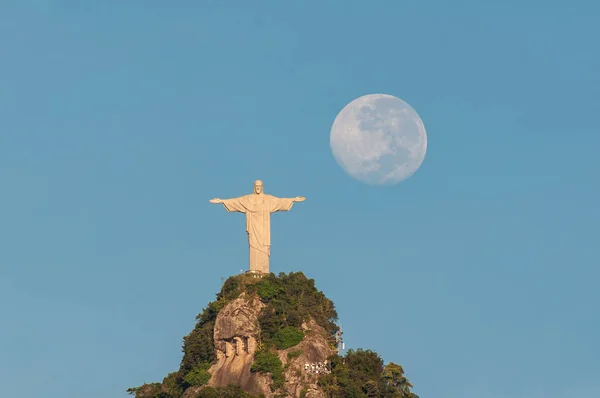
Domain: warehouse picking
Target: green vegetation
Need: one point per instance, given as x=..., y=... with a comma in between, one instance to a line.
x=199, y=376
x=290, y=300
x=269, y=362
x=150, y=390
x=198, y=346
x=294, y=354
x=361, y=374
x=287, y=337
x=303, y=392
x=171, y=387
x=230, y=391
x=393, y=374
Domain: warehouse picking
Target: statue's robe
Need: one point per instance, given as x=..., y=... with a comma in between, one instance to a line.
x=258, y=209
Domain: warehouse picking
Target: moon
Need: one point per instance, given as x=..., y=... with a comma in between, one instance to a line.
x=378, y=139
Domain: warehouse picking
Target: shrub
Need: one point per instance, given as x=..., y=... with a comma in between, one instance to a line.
x=294, y=354
x=198, y=347
x=170, y=385
x=268, y=362
x=269, y=288
x=230, y=289
x=199, y=376
x=230, y=391
x=145, y=391
x=208, y=392
x=288, y=337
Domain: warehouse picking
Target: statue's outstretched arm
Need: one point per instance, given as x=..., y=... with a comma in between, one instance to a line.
x=284, y=204
x=234, y=204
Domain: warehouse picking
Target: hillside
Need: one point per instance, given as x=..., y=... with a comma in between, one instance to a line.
x=273, y=336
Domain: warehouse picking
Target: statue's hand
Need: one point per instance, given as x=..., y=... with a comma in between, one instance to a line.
x=216, y=200
x=299, y=199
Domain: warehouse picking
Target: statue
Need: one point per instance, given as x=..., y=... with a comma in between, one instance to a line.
x=258, y=207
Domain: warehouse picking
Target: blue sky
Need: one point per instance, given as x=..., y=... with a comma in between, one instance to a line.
x=119, y=120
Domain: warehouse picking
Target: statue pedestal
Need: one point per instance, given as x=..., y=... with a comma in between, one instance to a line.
x=255, y=274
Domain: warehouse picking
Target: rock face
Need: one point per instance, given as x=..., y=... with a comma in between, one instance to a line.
x=236, y=327
x=302, y=372
x=236, y=335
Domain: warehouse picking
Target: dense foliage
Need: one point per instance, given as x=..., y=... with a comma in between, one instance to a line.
x=154, y=390
x=361, y=374
x=231, y=391
x=268, y=362
x=287, y=337
x=290, y=300
x=198, y=376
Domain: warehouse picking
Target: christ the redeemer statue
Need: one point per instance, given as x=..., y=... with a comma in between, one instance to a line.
x=258, y=207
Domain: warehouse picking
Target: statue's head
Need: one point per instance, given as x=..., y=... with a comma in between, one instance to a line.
x=258, y=187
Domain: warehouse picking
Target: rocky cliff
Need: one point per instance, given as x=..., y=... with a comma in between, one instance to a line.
x=273, y=336
x=236, y=335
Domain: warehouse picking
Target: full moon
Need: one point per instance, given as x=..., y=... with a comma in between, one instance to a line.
x=378, y=139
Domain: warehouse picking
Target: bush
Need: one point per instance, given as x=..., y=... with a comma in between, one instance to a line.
x=145, y=391
x=208, y=392
x=198, y=347
x=230, y=391
x=288, y=337
x=267, y=289
x=170, y=385
x=294, y=354
x=231, y=289
x=269, y=362
x=199, y=376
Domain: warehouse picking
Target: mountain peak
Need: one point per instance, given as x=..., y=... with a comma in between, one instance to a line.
x=274, y=336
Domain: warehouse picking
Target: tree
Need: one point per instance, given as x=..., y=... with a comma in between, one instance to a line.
x=393, y=374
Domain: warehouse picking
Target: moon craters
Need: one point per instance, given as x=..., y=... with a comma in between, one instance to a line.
x=378, y=139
